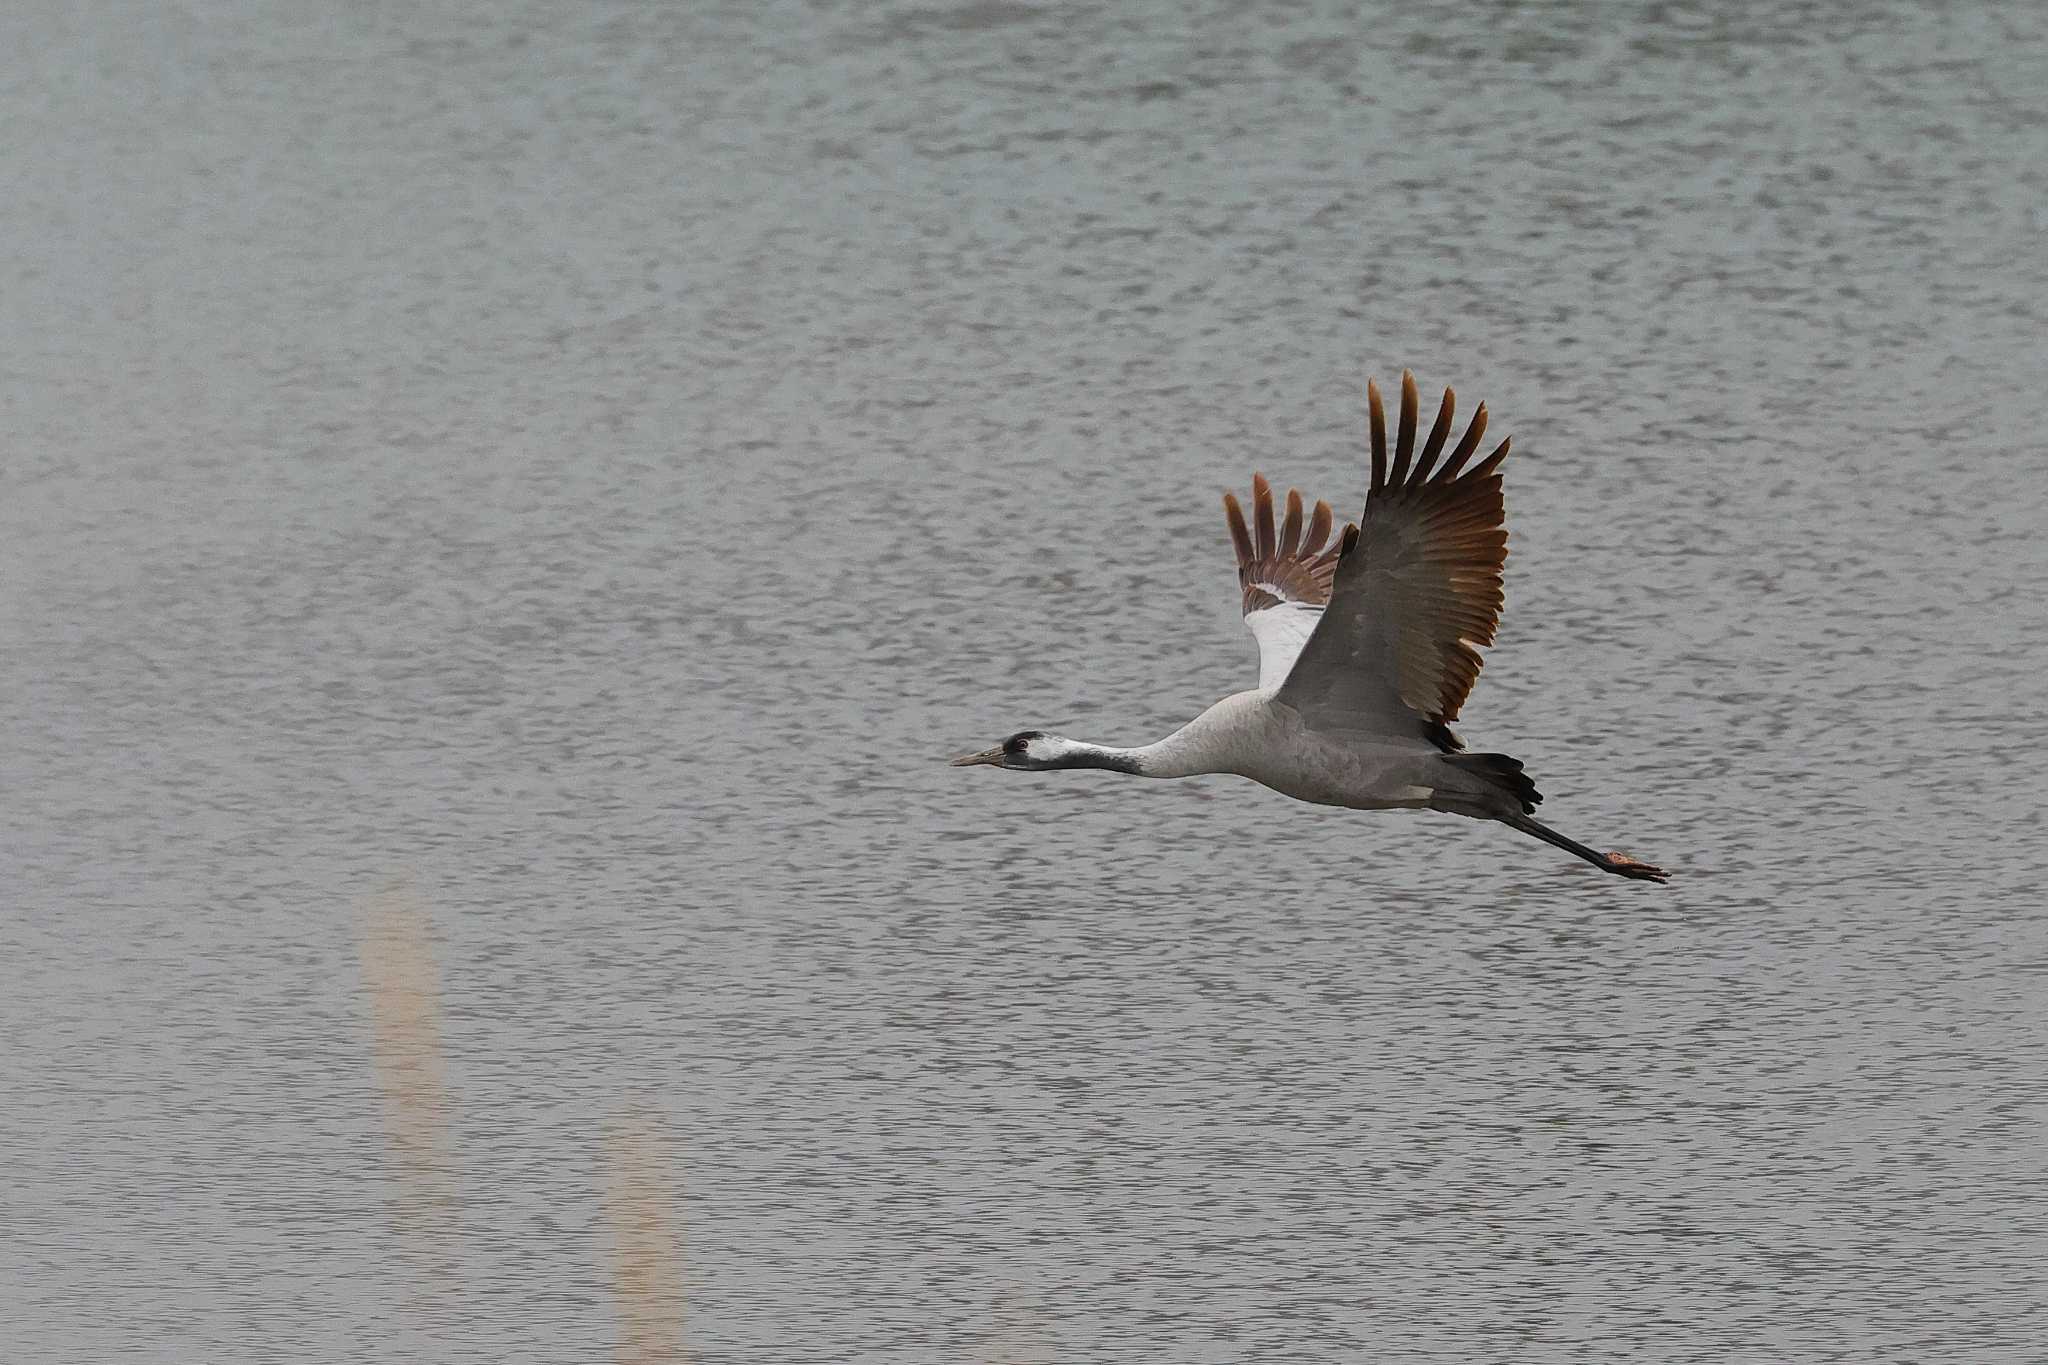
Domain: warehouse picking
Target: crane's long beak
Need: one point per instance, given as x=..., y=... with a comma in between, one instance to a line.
x=993, y=756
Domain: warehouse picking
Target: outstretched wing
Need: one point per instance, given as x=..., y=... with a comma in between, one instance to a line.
x=1417, y=588
x=1286, y=578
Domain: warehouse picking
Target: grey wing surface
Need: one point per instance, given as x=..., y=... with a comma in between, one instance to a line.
x=1417, y=588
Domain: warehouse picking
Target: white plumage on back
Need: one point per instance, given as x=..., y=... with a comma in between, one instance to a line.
x=1281, y=631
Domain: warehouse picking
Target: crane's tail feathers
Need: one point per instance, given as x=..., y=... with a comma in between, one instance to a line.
x=1618, y=863
x=1502, y=772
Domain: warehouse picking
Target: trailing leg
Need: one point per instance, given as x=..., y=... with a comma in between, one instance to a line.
x=1494, y=787
x=1618, y=863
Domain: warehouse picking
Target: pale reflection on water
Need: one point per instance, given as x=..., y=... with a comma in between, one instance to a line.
x=403, y=991
x=402, y=988
x=647, y=1270
x=604, y=461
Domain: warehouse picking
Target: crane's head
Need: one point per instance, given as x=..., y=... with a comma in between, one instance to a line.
x=1029, y=750
x=1036, y=751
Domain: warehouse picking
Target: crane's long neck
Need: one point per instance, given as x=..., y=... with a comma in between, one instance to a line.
x=1076, y=753
x=1180, y=754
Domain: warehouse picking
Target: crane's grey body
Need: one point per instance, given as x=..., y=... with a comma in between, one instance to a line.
x=1255, y=735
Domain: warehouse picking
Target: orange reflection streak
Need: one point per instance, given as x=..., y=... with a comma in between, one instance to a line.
x=1017, y=1336
x=404, y=993
x=647, y=1275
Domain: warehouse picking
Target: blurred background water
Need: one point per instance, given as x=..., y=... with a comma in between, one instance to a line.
x=572, y=473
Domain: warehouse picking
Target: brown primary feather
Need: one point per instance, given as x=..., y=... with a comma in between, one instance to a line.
x=1318, y=529
x=1492, y=462
x=1240, y=538
x=1437, y=435
x=1404, y=438
x=1378, y=416
x=1466, y=445
x=1262, y=514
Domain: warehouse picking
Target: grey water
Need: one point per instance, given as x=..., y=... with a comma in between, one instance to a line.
x=577, y=471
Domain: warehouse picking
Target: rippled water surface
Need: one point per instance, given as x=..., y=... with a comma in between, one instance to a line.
x=506, y=509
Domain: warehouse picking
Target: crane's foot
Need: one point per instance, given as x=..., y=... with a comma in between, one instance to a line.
x=1635, y=867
